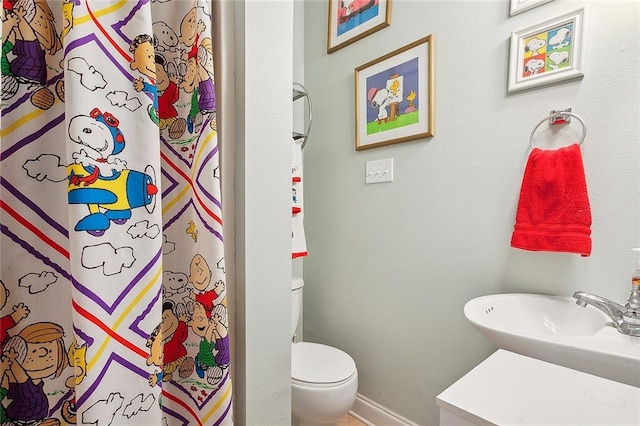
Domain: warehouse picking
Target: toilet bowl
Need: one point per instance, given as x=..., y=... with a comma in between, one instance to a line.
x=324, y=383
x=324, y=379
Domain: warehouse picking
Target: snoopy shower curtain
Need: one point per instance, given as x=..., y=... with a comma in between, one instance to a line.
x=113, y=299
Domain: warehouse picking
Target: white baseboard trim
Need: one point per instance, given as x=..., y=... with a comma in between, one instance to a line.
x=374, y=414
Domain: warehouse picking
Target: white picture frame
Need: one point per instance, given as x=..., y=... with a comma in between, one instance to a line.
x=519, y=6
x=548, y=52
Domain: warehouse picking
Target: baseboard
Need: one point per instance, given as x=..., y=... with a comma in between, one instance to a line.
x=374, y=414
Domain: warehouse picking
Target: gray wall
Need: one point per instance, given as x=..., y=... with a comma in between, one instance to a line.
x=390, y=266
x=263, y=63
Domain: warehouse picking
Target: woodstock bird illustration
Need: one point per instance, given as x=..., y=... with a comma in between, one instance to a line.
x=191, y=230
x=411, y=107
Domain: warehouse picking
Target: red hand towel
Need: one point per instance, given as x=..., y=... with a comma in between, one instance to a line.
x=553, y=212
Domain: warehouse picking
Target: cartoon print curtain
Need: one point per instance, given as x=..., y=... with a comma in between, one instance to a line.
x=113, y=290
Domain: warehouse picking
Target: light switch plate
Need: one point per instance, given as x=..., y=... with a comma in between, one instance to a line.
x=379, y=171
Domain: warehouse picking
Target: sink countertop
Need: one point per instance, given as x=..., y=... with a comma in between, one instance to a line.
x=508, y=388
x=556, y=330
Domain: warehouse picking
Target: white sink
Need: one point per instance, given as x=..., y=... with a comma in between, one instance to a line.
x=556, y=330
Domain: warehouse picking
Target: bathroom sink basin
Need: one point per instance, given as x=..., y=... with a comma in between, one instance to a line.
x=534, y=314
x=556, y=330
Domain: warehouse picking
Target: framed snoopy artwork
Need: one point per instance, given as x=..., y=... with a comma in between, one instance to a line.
x=394, y=96
x=351, y=20
x=548, y=52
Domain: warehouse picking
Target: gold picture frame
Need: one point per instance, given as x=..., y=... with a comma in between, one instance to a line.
x=394, y=96
x=352, y=20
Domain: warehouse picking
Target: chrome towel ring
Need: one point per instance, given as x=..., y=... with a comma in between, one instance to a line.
x=299, y=91
x=565, y=117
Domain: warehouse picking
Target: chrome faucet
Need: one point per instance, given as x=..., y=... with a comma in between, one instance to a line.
x=625, y=318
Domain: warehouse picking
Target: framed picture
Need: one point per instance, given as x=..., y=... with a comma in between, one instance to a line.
x=351, y=20
x=519, y=6
x=546, y=53
x=394, y=96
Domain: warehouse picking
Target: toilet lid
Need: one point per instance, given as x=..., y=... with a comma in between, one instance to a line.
x=316, y=363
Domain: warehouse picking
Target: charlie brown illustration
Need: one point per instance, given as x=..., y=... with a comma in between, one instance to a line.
x=200, y=278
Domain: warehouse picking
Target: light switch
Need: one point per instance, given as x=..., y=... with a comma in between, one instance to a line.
x=379, y=171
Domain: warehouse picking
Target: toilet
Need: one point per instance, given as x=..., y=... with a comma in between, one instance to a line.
x=324, y=379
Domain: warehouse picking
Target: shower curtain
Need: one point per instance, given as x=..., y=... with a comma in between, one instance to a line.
x=113, y=299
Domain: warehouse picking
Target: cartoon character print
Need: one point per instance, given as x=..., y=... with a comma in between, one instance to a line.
x=560, y=39
x=167, y=349
x=99, y=179
x=143, y=61
x=533, y=66
x=4, y=387
x=77, y=357
x=173, y=283
x=213, y=350
x=203, y=314
x=190, y=84
x=7, y=322
x=192, y=231
x=221, y=333
x=205, y=362
x=156, y=351
x=29, y=36
x=206, y=87
x=534, y=45
x=168, y=94
x=200, y=278
x=558, y=59
x=411, y=97
x=67, y=18
x=34, y=354
x=207, y=324
x=9, y=29
x=190, y=30
x=164, y=38
x=380, y=98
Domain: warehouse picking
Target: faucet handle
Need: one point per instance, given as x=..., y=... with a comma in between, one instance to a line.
x=632, y=308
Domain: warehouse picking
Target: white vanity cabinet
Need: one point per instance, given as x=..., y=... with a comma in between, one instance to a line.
x=512, y=389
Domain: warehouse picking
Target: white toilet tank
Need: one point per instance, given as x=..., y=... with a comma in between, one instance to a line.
x=296, y=303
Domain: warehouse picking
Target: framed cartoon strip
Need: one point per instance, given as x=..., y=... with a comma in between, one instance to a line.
x=394, y=96
x=351, y=20
x=548, y=52
x=519, y=6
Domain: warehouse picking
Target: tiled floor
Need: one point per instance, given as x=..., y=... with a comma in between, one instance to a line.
x=348, y=420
